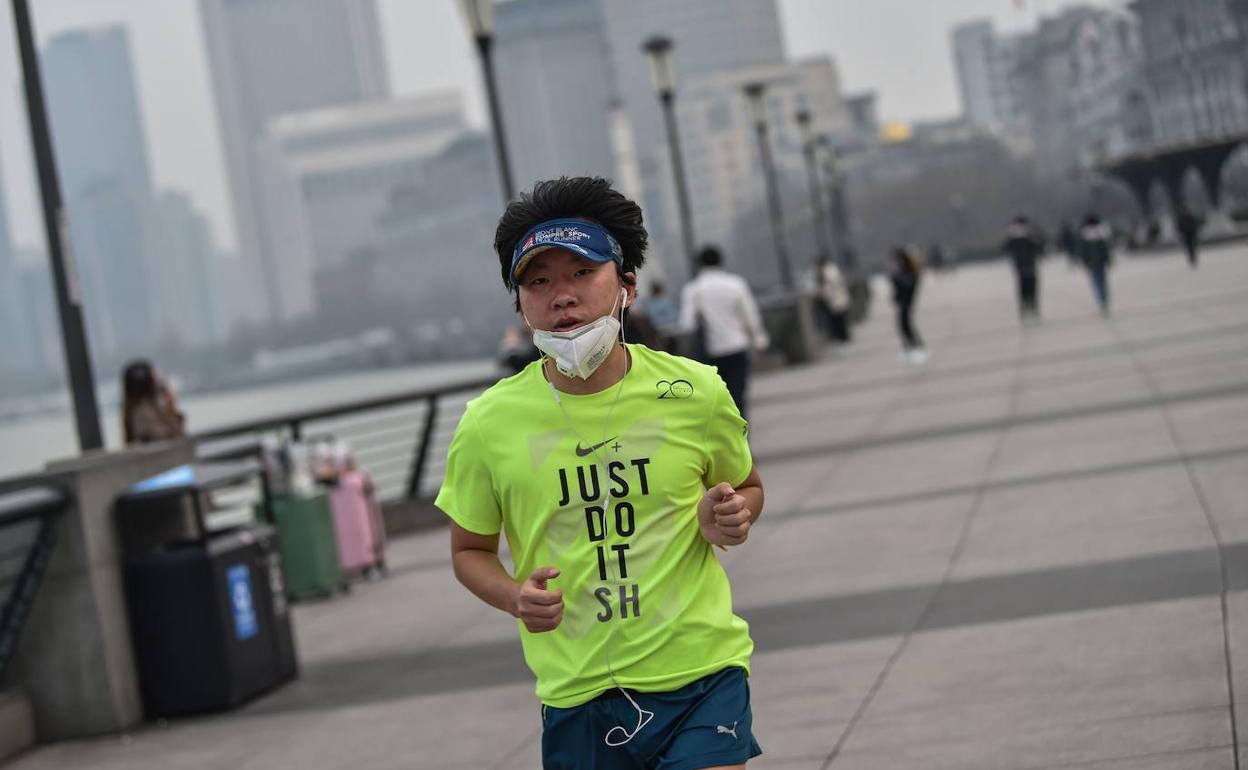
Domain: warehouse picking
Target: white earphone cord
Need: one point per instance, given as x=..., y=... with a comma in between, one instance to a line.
x=643, y=716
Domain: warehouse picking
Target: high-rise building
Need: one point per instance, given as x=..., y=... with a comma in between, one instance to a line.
x=183, y=277
x=985, y=64
x=101, y=151
x=38, y=326
x=335, y=169
x=864, y=115
x=1069, y=92
x=576, y=92
x=434, y=257
x=724, y=166
x=556, y=87
x=93, y=104
x=270, y=57
x=710, y=36
x=1196, y=70
x=1077, y=73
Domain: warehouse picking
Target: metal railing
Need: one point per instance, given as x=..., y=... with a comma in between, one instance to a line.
x=400, y=439
x=27, y=536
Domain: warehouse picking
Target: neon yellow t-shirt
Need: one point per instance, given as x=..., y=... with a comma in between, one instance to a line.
x=639, y=582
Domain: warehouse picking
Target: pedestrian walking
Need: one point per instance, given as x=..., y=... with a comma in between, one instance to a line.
x=1189, y=224
x=615, y=471
x=721, y=304
x=1023, y=246
x=1096, y=252
x=906, y=277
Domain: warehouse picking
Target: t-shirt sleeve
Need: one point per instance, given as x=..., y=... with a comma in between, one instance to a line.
x=727, y=441
x=467, y=493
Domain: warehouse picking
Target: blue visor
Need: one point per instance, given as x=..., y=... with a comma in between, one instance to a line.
x=575, y=235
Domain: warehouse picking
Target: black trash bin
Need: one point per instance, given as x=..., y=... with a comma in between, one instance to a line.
x=207, y=606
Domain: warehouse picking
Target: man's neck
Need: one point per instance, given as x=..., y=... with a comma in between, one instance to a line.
x=608, y=373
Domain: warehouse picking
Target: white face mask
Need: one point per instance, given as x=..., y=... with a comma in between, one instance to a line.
x=579, y=353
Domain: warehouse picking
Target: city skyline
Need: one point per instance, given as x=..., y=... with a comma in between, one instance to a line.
x=430, y=51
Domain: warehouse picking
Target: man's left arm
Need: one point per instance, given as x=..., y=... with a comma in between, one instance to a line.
x=726, y=513
x=687, y=320
x=753, y=319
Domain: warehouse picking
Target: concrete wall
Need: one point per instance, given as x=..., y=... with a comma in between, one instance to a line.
x=75, y=657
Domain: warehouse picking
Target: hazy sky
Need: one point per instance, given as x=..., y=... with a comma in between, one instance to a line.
x=898, y=48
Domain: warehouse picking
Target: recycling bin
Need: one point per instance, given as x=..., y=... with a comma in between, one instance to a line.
x=204, y=588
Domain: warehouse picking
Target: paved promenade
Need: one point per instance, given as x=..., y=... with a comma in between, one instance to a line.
x=1031, y=552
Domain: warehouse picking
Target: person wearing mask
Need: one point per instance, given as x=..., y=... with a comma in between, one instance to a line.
x=149, y=409
x=615, y=471
x=906, y=276
x=1023, y=247
x=1096, y=252
x=721, y=304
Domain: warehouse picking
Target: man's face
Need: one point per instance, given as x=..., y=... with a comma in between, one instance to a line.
x=561, y=290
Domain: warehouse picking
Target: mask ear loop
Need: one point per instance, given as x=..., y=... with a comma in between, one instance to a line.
x=540, y=352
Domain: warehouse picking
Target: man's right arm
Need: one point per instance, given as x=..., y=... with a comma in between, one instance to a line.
x=475, y=560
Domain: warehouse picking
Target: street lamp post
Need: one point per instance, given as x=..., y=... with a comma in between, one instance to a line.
x=756, y=94
x=60, y=252
x=803, y=118
x=480, y=17
x=658, y=50
x=840, y=219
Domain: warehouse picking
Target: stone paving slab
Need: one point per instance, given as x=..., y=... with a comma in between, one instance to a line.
x=1018, y=694
x=1097, y=519
x=1003, y=559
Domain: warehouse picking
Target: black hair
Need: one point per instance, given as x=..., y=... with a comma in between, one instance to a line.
x=138, y=384
x=709, y=256
x=138, y=379
x=578, y=197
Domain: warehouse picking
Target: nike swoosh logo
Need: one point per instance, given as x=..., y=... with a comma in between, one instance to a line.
x=586, y=452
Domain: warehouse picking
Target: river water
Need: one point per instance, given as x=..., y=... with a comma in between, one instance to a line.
x=27, y=444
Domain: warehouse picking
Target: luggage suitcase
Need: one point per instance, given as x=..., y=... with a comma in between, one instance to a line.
x=357, y=521
x=306, y=528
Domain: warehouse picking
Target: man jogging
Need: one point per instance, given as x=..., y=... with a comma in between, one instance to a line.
x=614, y=470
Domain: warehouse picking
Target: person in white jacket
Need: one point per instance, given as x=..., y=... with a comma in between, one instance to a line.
x=720, y=305
x=831, y=290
